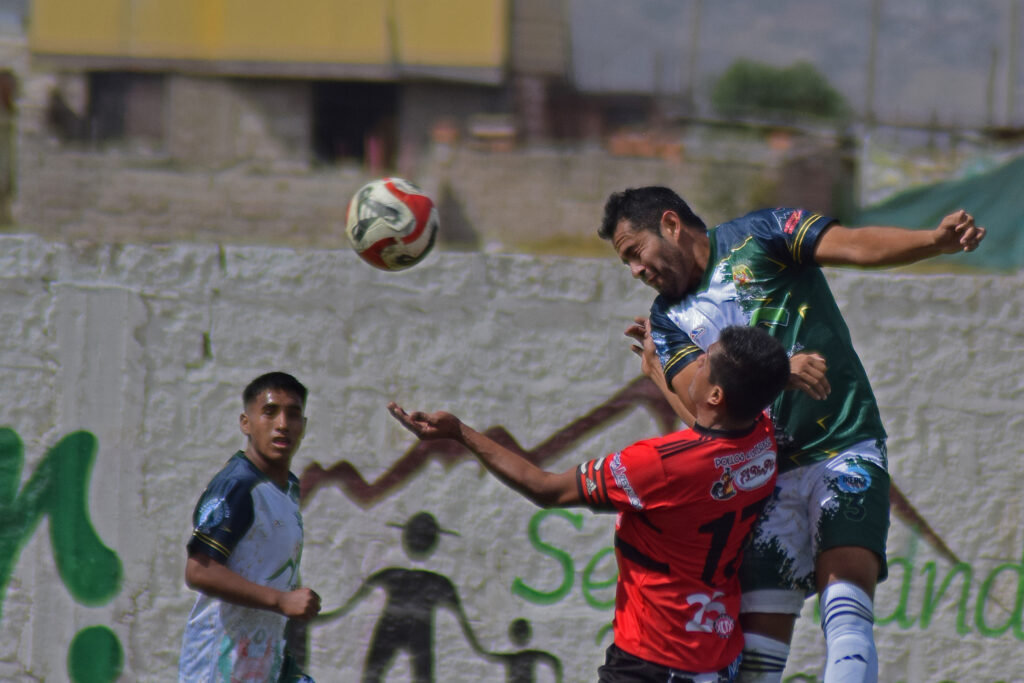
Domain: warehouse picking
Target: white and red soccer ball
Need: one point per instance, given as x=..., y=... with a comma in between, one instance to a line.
x=391, y=223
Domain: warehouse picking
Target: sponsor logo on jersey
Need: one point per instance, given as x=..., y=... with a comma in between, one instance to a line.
x=738, y=458
x=619, y=473
x=793, y=221
x=724, y=626
x=854, y=480
x=723, y=489
x=755, y=474
x=697, y=333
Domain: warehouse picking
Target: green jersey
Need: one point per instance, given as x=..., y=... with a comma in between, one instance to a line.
x=761, y=271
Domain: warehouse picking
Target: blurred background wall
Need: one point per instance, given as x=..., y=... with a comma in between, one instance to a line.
x=227, y=121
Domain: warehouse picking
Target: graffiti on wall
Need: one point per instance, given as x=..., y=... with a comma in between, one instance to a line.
x=91, y=572
x=987, y=602
x=406, y=623
x=640, y=392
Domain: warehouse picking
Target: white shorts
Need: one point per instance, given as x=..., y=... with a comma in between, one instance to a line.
x=843, y=501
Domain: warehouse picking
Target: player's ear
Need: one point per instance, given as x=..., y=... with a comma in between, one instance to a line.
x=716, y=397
x=243, y=423
x=671, y=225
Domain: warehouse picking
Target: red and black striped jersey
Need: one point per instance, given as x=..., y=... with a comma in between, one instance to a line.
x=686, y=504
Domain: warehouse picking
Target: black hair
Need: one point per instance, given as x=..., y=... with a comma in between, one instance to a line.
x=644, y=207
x=281, y=381
x=751, y=367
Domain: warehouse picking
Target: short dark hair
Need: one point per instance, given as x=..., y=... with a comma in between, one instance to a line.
x=643, y=207
x=751, y=367
x=281, y=381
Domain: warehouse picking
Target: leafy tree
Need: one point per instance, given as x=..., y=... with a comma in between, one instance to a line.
x=749, y=88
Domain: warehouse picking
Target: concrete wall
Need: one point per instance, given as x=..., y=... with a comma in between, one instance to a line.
x=234, y=165
x=138, y=355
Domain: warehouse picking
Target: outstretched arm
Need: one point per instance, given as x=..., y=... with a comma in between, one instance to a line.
x=205, y=574
x=543, y=488
x=875, y=246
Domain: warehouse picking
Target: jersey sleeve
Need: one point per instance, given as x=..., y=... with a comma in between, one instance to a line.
x=222, y=517
x=675, y=348
x=627, y=480
x=790, y=235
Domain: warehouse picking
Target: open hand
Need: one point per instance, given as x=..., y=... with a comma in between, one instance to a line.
x=427, y=426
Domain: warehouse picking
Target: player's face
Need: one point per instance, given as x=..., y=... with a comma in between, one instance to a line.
x=274, y=422
x=662, y=260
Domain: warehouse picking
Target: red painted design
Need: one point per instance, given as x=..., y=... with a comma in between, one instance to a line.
x=639, y=392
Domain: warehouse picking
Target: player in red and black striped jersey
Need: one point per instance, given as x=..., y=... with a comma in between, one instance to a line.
x=686, y=503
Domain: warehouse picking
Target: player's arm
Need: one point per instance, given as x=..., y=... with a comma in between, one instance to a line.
x=546, y=489
x=205, y=574
x=876, y=246
x=650, y=365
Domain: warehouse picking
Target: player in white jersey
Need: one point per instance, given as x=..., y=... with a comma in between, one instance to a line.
x=246, y=545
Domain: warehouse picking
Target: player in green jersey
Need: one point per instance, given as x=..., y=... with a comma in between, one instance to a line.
x=824, y=530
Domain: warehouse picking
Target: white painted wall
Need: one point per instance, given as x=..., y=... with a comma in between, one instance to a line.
x=148, y=348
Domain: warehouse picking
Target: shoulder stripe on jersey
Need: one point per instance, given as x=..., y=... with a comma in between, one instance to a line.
x=667, y=450
x=212, y=543
x=635, y=556
x=801, y=233
x=681, y=354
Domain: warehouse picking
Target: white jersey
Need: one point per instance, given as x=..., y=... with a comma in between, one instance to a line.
x=253, y=527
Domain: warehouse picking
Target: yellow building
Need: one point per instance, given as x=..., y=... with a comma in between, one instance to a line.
x=325, y=80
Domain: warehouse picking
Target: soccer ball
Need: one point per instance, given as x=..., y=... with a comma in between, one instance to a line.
x=391, y=223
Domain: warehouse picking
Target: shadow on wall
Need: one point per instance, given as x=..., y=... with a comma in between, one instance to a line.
x=458, y=231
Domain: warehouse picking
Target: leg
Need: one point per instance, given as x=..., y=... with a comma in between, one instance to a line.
x=766, y=646
x=777, y=575
x=851, y=561
x=846, y=584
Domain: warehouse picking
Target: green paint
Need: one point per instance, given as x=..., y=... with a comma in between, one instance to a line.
x=935, y=589
x=1014, y=620
x=541, y=597
x=59, y=487
x=899, y=615
x=95, y=656
x=931, y=598
x=589, y=585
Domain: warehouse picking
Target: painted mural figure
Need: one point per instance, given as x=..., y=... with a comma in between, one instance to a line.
x=677, y=546
x=413, y=596
x=826, y=529
x=246, y=546
x=521, y=665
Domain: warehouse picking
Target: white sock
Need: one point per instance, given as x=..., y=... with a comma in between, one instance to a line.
x=846, y=618
x=763, y=659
